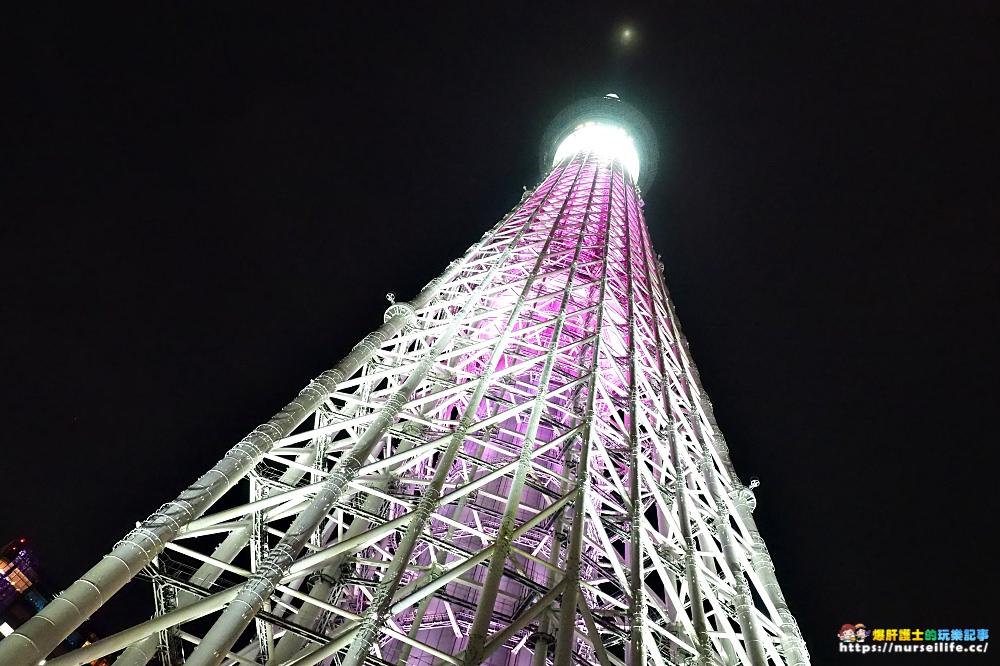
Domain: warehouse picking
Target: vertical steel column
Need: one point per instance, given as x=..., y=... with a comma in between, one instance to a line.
x=140, y=652
x=544, y=637
x=698, y=618
x=792, y=644
x=484, y=611
x=571, y=464
x=566, y=636
x=794, y=647
x=637, y=605
x=742, y=600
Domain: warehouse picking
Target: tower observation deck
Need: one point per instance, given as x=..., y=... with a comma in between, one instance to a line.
x=518, y=467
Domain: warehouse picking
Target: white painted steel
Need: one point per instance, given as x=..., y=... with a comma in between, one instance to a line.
x=520, y=466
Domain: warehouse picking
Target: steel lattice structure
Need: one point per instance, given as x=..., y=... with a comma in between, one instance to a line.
x=519, y=467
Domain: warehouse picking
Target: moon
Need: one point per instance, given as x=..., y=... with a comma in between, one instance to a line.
x=626, y=35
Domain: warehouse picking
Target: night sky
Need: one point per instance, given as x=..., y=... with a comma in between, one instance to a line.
x=203, y=208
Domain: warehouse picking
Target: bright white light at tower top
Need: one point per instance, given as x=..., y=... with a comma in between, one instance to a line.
x=604, y=140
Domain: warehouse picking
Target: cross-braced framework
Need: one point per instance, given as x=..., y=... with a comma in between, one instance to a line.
x=519, y=467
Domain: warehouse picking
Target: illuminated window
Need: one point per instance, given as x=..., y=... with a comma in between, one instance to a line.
x=18, y=580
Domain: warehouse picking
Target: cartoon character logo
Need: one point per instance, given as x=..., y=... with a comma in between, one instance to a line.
x=846, y=634
x=860, y=633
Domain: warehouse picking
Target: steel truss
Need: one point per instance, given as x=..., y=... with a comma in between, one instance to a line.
x=519, y=467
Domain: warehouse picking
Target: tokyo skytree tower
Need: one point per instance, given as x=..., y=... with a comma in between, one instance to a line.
x=519, y=467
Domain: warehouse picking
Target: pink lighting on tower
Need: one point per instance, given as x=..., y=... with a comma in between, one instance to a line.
x=520, y=467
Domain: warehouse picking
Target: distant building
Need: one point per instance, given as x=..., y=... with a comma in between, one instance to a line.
x=23, y=593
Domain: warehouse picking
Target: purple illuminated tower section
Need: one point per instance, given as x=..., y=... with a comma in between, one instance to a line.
x=519, y=467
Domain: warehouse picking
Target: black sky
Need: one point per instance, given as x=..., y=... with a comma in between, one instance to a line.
x=203, y=208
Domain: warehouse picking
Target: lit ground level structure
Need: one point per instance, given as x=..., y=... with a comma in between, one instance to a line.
x=24, y=592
